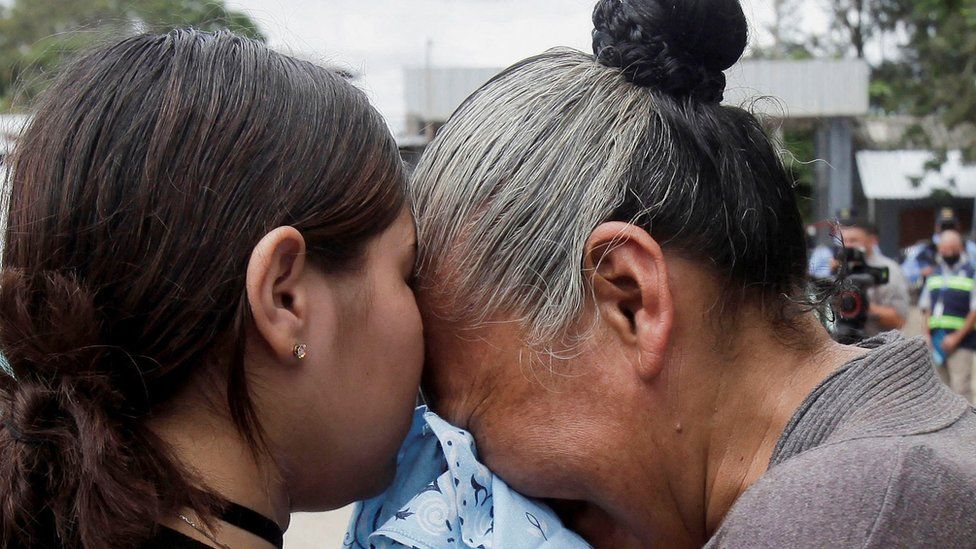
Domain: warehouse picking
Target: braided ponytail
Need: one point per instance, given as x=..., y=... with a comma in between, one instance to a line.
x=75, y=458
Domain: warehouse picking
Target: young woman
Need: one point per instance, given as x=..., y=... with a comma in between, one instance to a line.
x=204, y=300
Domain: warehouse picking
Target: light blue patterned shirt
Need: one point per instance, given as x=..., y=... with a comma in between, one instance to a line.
x=443, y=497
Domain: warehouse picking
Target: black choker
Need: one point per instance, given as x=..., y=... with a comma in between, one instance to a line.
x=253, y=522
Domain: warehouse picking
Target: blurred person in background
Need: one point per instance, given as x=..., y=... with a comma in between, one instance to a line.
x=921, y=259
x=948, y=304
x=206, y=240
x=889, y=302
x=820, y=264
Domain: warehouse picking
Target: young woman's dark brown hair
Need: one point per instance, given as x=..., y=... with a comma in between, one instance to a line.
x=204, y=239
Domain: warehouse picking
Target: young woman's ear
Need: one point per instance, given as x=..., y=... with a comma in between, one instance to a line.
x=630, y=284
x=276, y=290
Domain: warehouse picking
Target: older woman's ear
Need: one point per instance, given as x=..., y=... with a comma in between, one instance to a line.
x=632, y=294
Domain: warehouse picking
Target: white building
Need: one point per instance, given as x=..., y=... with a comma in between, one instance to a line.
x=826, y=93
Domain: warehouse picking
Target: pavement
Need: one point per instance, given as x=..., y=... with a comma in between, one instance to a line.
x=317, y=530
x=913, y=326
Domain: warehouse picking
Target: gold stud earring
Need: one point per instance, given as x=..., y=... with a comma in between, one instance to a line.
x=300, y=350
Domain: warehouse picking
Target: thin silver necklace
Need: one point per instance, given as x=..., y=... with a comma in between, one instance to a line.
x=208, y=535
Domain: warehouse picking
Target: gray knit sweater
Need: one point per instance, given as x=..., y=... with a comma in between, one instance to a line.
x=881, y=454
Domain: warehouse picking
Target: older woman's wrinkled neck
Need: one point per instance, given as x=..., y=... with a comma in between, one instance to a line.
x=760, y=381
x=705, y=430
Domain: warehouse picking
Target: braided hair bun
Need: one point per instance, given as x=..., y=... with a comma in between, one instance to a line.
x=679, y=47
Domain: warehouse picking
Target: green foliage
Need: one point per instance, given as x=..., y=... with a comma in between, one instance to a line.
x=163, y=15
x=36, y=36
x=936, y=162
x=789, y=41
x=799, y=154
x=927, y=66
x=941, y=197
x=935, y=70
x=784, y=50
x=937, y=64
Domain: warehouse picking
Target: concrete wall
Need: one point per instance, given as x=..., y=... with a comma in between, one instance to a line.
x=834, y=170
x=811, y=88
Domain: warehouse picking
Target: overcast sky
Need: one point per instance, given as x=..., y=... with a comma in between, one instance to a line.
x=377, y=38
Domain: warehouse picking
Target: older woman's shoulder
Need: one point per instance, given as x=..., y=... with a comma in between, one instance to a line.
x=871, y=492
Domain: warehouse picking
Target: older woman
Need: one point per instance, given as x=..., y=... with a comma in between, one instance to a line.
x=612, y=281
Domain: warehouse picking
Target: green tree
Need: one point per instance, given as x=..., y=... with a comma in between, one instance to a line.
x=36, y=36
x=799, y=151
x=787, y=41
x=927, y=67
x=935, y=71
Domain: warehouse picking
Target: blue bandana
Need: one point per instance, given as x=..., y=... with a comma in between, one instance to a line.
x=442, y=497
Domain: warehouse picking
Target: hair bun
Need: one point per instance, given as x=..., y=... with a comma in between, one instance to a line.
x=680, y=47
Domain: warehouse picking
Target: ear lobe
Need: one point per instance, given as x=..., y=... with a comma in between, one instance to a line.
x=276, y=290
x=630, y=285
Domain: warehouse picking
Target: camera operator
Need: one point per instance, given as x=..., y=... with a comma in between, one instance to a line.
x=948, y=304
x=888, y=307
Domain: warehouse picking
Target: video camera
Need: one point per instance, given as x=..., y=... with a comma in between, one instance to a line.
x=851, y=304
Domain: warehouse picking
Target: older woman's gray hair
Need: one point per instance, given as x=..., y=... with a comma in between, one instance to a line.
x=574, y=143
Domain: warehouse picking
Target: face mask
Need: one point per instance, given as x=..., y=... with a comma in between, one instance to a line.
x=951, y=260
